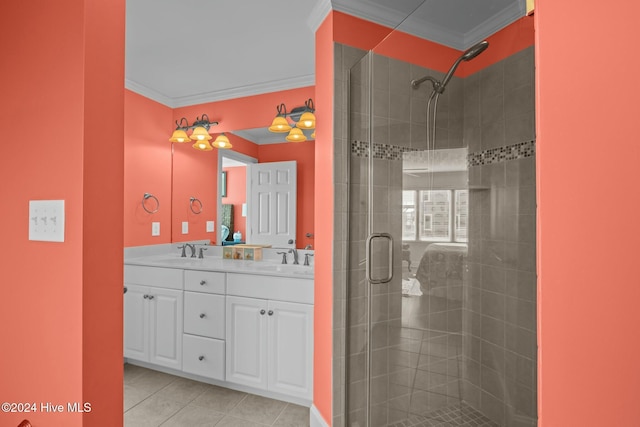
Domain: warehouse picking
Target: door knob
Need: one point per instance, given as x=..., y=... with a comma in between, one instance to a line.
x=201, y=358
x=202, y=315
x=270, y=313
x=262, y=312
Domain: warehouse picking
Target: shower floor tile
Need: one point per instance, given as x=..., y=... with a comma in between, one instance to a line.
x=457, y=415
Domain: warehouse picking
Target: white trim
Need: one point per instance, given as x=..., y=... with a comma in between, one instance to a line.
x=370, y=11
x=315, y=419
x=318, y=14
x=507, y=16
x=147, y=92
x=237, y=92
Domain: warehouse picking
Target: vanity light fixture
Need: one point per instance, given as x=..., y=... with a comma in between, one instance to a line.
x=222, y=141
x=200, y=132
x=302, y=117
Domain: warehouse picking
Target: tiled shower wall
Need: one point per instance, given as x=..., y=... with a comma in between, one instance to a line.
x=499, y=368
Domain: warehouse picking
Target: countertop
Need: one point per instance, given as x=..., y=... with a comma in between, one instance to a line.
x=214, y=263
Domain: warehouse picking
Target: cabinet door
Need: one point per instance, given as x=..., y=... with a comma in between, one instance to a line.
x=136, y=319
x=290, y=349
x=165, y=327
x=246, y=341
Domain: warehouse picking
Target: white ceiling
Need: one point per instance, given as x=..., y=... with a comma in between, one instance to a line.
x=186, y=52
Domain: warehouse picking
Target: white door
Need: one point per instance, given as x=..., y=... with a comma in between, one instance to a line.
x=165, y=327
x=291, y=348
x=272, y=210
x=136, y=319
x=246, y=341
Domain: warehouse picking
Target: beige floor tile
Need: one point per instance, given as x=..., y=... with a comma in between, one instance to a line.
x=218, y=398
x=183, y=390
x=258, y=409
x=293, y=416
x=151, y=381
x=151, y=413
x=133, y=396
x=194, y=416
x=230, y=421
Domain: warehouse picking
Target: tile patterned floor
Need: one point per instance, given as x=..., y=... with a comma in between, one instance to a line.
x=154, y=399
x=458, y=415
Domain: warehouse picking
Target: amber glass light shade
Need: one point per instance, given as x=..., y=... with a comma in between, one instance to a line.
x=222, y=142
x=202, y=145
x=296, y=135
x=200, y=134
x=280, y=125
x=307, y=121
x=179, y=135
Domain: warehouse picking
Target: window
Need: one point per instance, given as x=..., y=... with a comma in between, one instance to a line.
x=435, y=215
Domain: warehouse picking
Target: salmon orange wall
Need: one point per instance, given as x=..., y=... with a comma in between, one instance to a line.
x=194, y=175
x=304, y=154
x=65, y=76
x=147, y=160
x=323, y=214
x=236, y=196
x=588, y=175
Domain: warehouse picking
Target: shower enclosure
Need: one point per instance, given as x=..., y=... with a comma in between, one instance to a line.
x=435, y=307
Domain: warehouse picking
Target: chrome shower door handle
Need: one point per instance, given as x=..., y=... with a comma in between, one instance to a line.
x=368, y=265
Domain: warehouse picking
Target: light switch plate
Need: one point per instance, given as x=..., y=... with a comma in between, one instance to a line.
x=185, y=227
x=46, y=220
x=155, y=228
x=210, y=226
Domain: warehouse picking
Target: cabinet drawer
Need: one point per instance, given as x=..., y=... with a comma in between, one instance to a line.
x=203, y=356
x=204, y=314
x=204, y=281
x=159, y=277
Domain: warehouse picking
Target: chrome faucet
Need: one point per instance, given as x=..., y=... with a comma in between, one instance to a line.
x=294, y=251
x=192, y=247
x=306, y=258
x=201, y=253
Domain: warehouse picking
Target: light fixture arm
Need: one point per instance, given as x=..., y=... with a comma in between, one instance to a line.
x=203, y=121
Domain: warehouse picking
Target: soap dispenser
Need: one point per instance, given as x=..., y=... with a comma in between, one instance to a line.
x=237, y=236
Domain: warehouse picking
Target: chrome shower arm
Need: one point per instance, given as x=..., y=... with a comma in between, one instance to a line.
x=418, y=82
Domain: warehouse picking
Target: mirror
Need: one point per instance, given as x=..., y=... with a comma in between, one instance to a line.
x=200, y=174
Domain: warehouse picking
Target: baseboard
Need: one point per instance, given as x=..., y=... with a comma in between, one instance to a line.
x=315, y=419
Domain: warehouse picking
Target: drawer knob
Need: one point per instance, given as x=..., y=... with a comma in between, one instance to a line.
x=262, y=312
x=145, y=296
x=201, y=358
x=203, y=282
x=202, y=315
x=270, y=312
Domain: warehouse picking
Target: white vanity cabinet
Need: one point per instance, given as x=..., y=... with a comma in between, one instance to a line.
x=204, y=319
x=269, y=333
x=153, y=315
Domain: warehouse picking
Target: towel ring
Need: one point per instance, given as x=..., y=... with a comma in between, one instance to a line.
x=191, y=202
x=150, y=196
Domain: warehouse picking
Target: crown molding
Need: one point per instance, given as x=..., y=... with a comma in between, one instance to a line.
x=220, y=95
x=318, y=14
x=370, y=11
x=508, y=15
x=147, y=92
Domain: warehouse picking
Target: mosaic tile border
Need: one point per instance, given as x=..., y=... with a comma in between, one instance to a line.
x=380, y=151
x=516, y=151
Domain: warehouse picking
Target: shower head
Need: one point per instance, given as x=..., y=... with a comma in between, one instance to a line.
x=468, y=55
x=475, y=50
